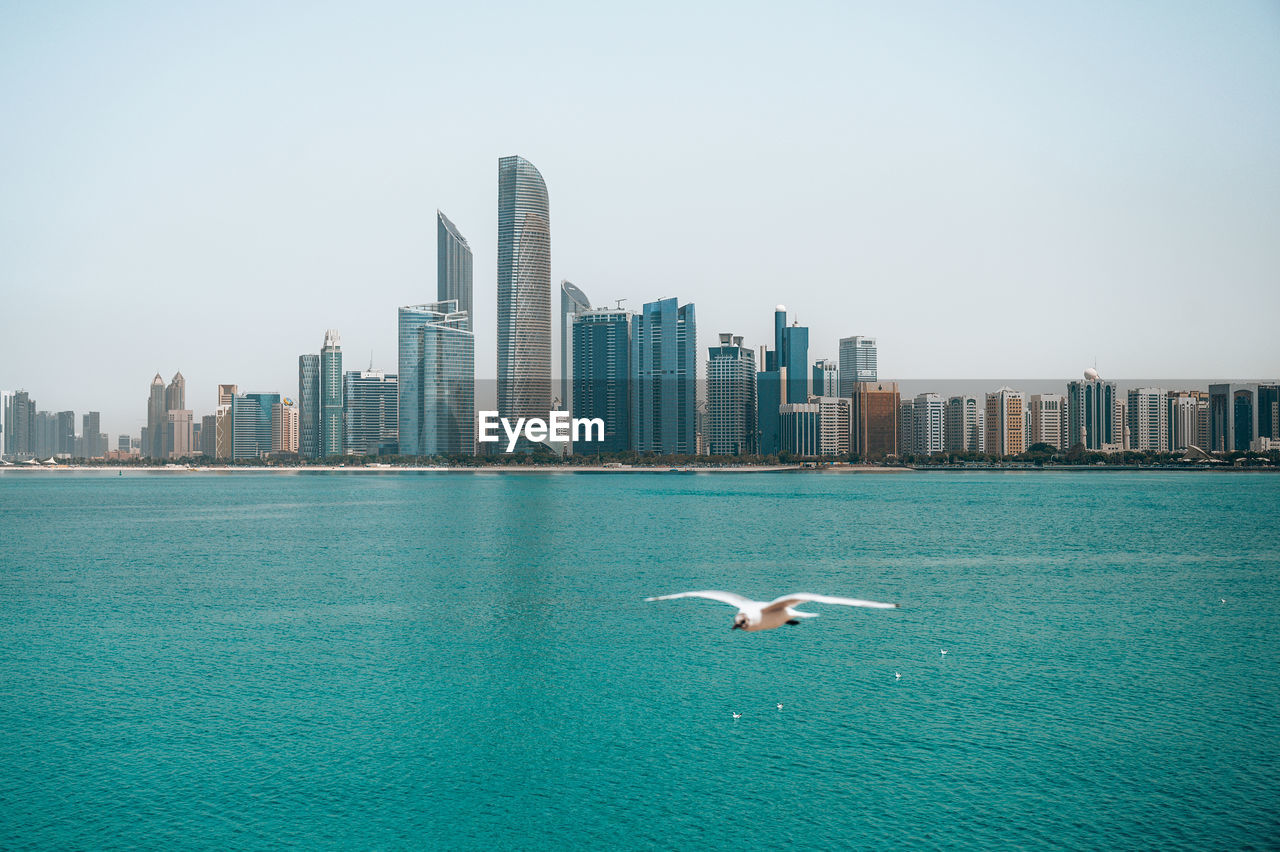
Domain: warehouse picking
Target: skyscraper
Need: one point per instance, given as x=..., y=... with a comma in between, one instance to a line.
x=309, y=406
x=874, y=411
x=371, y=408
x=251, y=424
x=793, y=356
x=1240, y=413
x=331, y=395
x=223, y=444
x=524, y=291
x=664, y=378
x=208, y=436
x=965, y=428
x=1091, y=413
x=826, y=378
x=65, y=438
x=770, y=395
x=284, y=427
x=731, y=398
x=95, y=441
x=157, y=419
x=1148, y=419
x=929, y=429
x=436, y=382
x=572, y=302
x=857, y=362
x=6, y=403
x=453, y=265
x=1048, y=416
x=1184, y=418
x=178, y=433
x=175, y=399
x=601, y=379
x=1005, y=431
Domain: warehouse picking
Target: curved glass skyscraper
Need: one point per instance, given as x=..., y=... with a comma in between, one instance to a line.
x=524, y=291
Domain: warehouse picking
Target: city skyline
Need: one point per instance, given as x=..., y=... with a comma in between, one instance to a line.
x=952, y=182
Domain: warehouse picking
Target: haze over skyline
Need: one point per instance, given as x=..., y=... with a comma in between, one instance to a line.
x=989, y=191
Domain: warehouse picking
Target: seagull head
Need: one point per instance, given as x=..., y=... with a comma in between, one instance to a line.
x=740, y=621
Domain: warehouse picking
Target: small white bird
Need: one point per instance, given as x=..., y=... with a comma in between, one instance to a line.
x=737, y=715
x=944, y=653
x=897, y=676
x=766, y=615
x=779, y=706
x=1224, y=600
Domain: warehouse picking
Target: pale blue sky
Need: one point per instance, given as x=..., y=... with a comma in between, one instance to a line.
x=991, y=189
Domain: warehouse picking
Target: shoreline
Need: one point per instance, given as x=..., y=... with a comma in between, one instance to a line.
x=842, y=469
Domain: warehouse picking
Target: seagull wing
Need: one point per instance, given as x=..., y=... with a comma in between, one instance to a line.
x=805, y=597
x=724, y=597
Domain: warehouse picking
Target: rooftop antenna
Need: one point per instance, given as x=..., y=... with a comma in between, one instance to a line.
x=620, y=301
x=370, y=360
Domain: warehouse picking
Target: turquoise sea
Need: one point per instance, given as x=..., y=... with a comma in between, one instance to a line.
x=465, y=661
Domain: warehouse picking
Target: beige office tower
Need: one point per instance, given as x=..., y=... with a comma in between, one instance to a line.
x=178, y=434
x=284, y=428
x=1003, y=418
x=1048, y=416
x=225, y=393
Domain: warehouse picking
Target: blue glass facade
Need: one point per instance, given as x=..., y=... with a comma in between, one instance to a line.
x=331, y=395
x=768, y=402
x=437, y=412
x=251, y=424
x=601, y=355
x=664, y=376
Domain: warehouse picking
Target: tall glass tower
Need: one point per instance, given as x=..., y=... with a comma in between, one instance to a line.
x=601, y=355
x=731, y=397
x=453, y=265
x=309, y=406
x=664, y=371
x=331, y=395
x=524, y=291
x=857, y=362
x=437, y=409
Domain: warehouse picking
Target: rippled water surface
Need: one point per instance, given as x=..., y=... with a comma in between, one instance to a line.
x=465, y=661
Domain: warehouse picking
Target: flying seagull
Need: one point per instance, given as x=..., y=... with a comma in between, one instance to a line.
x=766, y=615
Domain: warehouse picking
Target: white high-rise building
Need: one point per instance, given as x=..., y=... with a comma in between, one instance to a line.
x=930, y=424
x=1048, y=420
x=857, y=362
x=1148, y=419
x=731, y=398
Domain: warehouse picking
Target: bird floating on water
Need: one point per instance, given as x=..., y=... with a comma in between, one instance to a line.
x=944, y=653
x=779, y=706
x=737, y=715
x=897, y=676
x=766, y=615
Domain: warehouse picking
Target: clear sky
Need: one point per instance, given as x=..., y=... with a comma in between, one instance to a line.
x=991, y=189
